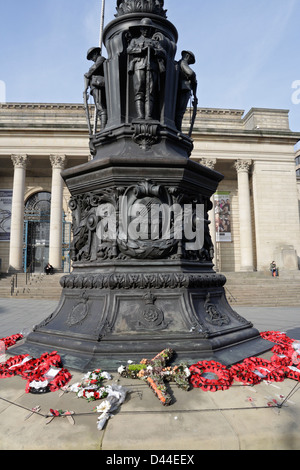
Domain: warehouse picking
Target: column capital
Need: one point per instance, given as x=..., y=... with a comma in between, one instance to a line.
x=58, y=161
x=243, y=165
x=20, y=161
x=209, y=162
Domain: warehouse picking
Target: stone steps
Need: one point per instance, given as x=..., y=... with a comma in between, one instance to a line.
x=39, y=286
x=261, y=289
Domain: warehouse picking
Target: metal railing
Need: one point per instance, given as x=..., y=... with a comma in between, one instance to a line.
x=13, y=284
x=14, y=279
x=230, y=295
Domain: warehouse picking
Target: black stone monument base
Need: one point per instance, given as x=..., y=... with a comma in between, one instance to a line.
x=104, y=323
x=83, y=356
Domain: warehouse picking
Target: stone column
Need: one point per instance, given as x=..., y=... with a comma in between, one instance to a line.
x=246, y=241
x=55, y=243
x=17, y=214
x=210, y=163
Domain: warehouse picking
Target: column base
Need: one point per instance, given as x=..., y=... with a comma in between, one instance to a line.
x=12, y=270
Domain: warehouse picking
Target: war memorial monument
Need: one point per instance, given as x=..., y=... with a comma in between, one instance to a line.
x=143, y=276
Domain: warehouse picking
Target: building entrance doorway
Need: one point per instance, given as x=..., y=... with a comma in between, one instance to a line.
x=37, y=235
x=36, y=232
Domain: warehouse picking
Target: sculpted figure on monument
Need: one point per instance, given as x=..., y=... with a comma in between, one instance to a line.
x=95, y=82
x=186, y=88
x=146, y=64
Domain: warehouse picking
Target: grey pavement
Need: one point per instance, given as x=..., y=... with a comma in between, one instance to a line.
x=18, y=314
x=235, y=419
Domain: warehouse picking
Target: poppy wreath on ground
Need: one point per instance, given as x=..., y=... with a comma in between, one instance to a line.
x=202, y=376
x=242, y=373
x=35, y=372
x=281, y=350
x=277, y=337
x=11, y=340
x=46, y=384
x=45, y=374
x=281, y=359
x=286, y=350
x=293, y=373
x=266, y=369
x=36, y=368
x=8, y=369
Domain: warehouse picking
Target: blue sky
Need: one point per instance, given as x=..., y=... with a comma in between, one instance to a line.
x=247, y=51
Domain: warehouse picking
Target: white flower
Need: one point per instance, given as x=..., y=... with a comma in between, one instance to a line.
x=89, y=395
x=104, y=407
x=106, y=375
x=75, y=387
x=121, y=369
x=102, y=390
x=187, y=372
x=102, y=420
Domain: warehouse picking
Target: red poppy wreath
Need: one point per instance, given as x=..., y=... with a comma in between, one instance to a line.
x=267, y=370
x=210, y=376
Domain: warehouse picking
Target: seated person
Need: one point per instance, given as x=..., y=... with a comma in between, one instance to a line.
x=49, y=269
x=274, y=269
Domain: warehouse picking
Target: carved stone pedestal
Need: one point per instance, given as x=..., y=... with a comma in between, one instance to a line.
x=126, y=298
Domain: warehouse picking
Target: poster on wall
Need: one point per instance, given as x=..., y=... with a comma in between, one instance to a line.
x=223, y=216
x=5, y=214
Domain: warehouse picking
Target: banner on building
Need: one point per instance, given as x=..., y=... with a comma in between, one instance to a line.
x=5, y=214
x=223, y=216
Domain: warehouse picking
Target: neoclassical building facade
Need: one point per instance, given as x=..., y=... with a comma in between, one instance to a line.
x=255, y=219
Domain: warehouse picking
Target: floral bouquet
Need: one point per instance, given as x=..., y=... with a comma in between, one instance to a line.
x=91, y=386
